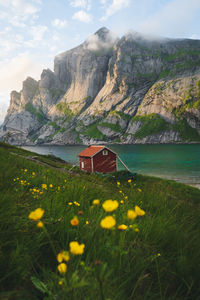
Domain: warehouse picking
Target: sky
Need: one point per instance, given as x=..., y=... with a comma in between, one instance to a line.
x=33, y=32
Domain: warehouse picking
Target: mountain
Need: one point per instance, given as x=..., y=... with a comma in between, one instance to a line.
x=128, y=90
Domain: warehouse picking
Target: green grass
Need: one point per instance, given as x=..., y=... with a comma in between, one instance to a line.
x=115, y=264
x=152, y=124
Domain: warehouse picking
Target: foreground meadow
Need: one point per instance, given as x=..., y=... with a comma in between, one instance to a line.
x=61, y=239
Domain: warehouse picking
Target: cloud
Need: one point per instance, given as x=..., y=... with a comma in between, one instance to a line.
x=172, y=19
x=86, y=4
x=82, y=16
x=195, y=36
x=38, y=32
x=60, y=24
x=114, y=7
x=94, y=43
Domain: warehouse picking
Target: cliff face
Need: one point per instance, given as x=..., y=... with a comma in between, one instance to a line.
x=128, y=90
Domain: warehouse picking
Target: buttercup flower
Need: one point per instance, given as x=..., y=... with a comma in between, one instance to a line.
x=63, y=255
x=108, y=222
x=37, y=214
x=96, y=202
x=44, y=186
x=74, y=221
x=129, y=181
x=76, y=248
x=40, y=224
x=51, y=185
x=118, y=183
x=131, y=214
x=122, y=227
x=62, y=268
x=110, y=205
x=139, y=211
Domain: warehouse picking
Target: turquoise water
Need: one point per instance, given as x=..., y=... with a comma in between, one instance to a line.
x=177, y=162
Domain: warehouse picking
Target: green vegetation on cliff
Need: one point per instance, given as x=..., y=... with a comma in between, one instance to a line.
x=155, y=257
x=38, y=113
x=151, y=124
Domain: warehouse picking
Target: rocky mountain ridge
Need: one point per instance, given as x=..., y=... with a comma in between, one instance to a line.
x=111, y=90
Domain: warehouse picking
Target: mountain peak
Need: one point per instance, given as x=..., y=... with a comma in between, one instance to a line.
x=103, y=33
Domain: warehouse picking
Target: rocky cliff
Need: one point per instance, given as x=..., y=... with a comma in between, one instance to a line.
x=111, y=90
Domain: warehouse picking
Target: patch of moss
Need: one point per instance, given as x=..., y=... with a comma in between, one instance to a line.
x=93, y=132
x=114, y=127
x=54, y=125
x=121, y=114
x=37, y=113
x=186, y=132
x=152, y=124
x=64, y=108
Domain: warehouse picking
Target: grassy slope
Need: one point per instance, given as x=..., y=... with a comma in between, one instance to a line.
x=115, y=265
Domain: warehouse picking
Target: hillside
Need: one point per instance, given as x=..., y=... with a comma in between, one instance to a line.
x=154, y=255
x=131, y=89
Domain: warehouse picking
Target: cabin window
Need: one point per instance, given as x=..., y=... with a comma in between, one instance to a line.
x=105, y=152
x=82, y=165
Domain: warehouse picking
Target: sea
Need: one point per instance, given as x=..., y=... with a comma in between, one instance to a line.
x=179, y=162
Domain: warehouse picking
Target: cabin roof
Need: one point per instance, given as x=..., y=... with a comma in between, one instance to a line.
x=93, y=150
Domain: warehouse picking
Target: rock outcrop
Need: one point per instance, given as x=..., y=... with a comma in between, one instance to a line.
x=110, y=90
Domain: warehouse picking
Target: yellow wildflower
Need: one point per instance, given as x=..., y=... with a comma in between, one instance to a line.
x=131, y=214
x=121, y=201
x=121, y=192
x=58, y=188
x=110, y=205
x=136, y=229
x=44, y=186
x=60, y=282
x=40, y=224
x=118, y=183
x=74, y=221
x=126, y=197
x=139, y=190
x=139, y=211
x=63, y=255
x=37, y=214
x=95, y=202
x=122, y=227
x=70, y=203
x=25, y=170
x=76, y=248
x=86, y=222
x=51, y=185
x=129, y=181
x=33, y=173
x=108, y=222
x=158, y=254
x=131, y=226
x=62, y=268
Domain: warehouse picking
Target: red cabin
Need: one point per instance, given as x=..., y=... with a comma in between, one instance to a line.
x=98, y=159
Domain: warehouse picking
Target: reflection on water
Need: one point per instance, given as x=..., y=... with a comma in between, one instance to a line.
x=178, y=162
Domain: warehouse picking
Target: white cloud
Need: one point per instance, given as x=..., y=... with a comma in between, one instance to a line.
x=60, y=24
x=114, y=7
x=195, y=36
x=172, y=19
x=86, y=4
x=38, y=32
x=94, y=43
x=82, y=16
